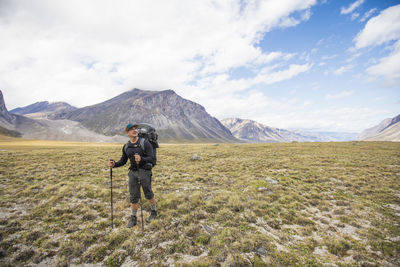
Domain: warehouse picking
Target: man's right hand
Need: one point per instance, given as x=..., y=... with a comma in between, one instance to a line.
x=111, y=163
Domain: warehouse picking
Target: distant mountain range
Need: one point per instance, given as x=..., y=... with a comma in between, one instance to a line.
x=37, y=125
x=44, y=108
x=387, y=130
x=252, y=131
x=175, y=118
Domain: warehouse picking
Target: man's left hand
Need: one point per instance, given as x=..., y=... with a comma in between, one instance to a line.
x=137, y=158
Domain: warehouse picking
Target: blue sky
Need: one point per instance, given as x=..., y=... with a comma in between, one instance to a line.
x=307, y=64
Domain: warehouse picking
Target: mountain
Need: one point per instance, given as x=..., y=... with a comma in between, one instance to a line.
x=255, y=132
x=15, y=125
x=252, y=131
x=44, y=109
x=175, y=118
x=387, y=130
x=43, y=128
x=5, y=117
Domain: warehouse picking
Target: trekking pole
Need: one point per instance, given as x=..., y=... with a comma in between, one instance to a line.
x=112, y=215
x=140, y=199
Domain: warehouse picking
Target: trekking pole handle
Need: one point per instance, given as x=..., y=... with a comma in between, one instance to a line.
x=110, y=159
x=137, y=162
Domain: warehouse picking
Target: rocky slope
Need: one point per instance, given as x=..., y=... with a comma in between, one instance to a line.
x=387, y=130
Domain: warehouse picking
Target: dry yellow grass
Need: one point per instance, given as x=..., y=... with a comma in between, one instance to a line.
x=6, y=141
x=252, y=205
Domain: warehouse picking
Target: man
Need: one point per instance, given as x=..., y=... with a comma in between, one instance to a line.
x=139, y=171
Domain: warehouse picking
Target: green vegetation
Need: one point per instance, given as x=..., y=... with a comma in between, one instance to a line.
x=251, y=204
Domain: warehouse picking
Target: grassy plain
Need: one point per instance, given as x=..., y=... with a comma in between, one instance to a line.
x=283, y=204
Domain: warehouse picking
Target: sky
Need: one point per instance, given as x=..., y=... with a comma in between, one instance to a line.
x=293, y=64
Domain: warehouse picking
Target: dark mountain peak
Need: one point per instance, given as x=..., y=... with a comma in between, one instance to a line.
x=3, y=109
x=168, y=92
x=135, y=95
x=2, y=103
x=167, y=100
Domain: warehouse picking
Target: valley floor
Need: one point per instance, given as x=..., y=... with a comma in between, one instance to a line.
x=281, y=204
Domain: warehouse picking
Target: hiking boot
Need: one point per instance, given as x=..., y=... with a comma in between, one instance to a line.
x=152, y=216
x=132, y=222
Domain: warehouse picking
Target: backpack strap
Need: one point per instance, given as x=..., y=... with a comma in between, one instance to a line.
x=141, y=144
x=126, y=148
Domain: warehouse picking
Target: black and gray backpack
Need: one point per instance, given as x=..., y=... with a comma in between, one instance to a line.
x=146, y=131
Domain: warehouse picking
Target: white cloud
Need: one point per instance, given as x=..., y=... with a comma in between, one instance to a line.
x=379, y=98
x=351, y=8
x=222, y=87
x=329, y=57
x=380, y=29
x=339, y=119
x=389, y=66
x=353, y=57
x=85, y=52
x=277, y=76
x=339, y=95
x=282, y=114
x=368, y=14
x=343, y=69
x=354, y=16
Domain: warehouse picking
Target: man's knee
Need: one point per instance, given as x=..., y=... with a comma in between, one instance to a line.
x=134, y=199
x=148, y=192
x=149, y=195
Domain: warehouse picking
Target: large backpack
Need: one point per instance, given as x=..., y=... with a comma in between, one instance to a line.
x=146, y=131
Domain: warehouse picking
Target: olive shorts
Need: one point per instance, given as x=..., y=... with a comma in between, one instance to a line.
x=144, y=176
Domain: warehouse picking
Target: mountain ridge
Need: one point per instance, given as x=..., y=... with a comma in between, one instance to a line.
x=43, y=107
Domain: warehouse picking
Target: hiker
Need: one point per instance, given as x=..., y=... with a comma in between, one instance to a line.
x=139, y=171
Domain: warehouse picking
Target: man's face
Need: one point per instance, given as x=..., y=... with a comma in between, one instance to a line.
x=133, y=132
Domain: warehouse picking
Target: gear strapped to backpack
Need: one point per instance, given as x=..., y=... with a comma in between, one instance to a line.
x=146, y=131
